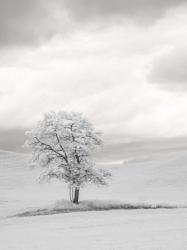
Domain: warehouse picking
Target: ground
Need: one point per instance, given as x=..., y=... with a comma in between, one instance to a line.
x=108, y=230
x=153, y=182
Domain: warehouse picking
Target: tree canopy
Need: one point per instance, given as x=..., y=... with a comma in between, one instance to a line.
x=63, y=143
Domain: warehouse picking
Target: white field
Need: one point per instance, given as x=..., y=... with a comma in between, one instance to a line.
x=156, y=181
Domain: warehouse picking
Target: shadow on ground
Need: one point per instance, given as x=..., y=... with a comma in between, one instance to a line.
x=84, y=206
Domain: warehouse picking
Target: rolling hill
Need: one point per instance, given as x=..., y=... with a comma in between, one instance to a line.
x=153, y=181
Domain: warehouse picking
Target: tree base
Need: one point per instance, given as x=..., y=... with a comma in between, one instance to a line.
x=76, y=196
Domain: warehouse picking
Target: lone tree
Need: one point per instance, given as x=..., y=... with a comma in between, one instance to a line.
x=63, y=143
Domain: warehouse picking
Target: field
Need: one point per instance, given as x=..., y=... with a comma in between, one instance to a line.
x=161, y=181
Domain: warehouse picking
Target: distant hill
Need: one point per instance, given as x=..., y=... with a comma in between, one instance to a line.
x=7, y=158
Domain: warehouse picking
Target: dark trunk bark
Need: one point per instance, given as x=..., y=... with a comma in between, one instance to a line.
x=76, y=196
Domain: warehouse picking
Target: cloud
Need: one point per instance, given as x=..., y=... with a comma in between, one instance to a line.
x=100, y=72
x=136, y=9
x=26, y=22
x=103, y=75
x=21, y=22
x=169, y=70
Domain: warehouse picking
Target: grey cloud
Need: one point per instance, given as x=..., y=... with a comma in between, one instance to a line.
x=141, y=10
x=25, y=22
x=169, y=70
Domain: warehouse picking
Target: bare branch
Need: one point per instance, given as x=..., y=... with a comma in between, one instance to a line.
x=58, y=140
x=48, y=147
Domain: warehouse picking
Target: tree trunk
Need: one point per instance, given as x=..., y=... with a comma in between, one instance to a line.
x=76, y=196
x=71, y=193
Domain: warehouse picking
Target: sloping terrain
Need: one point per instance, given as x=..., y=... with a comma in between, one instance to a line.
x=136, y=182
x=104, y=230
x=156, y=181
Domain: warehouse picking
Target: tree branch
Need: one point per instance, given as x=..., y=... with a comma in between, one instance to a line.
x=52, y=149
x=58, y=140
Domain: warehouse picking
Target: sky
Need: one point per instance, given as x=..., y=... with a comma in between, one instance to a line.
x=121, y=63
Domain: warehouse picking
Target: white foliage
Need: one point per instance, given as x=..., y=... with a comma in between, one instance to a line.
x=63, y=143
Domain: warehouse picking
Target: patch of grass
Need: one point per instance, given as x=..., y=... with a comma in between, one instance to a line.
x=68, y=207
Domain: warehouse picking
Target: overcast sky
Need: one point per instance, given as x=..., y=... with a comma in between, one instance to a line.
x=122, y=63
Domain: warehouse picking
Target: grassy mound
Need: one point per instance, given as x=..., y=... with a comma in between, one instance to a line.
x=68, y=207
